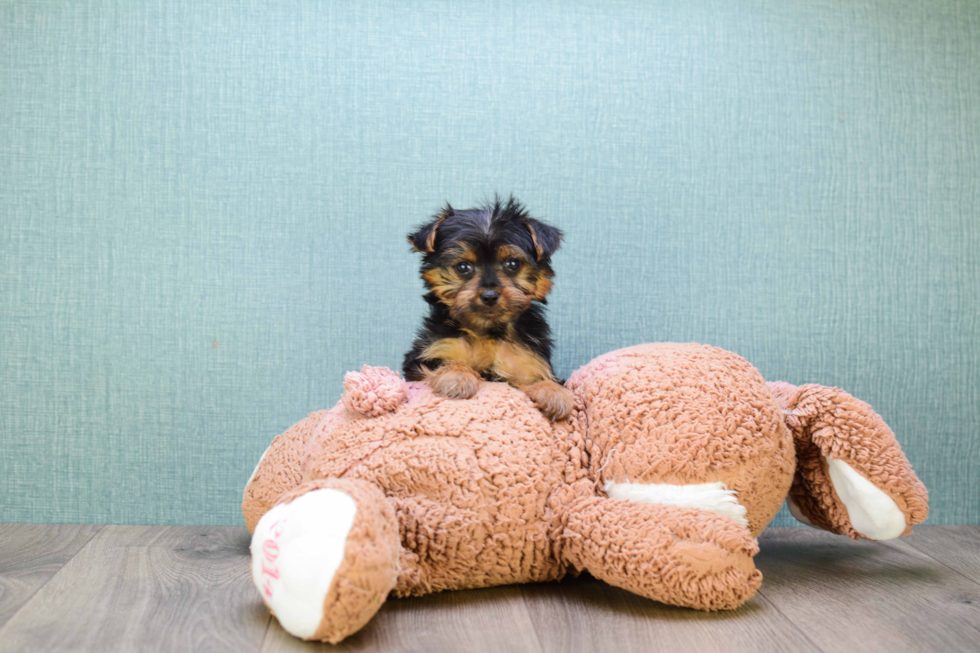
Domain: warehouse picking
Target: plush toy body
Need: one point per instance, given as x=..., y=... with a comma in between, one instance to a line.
x=673, y=461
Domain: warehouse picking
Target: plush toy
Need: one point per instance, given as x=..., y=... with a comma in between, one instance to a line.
x=674, y=459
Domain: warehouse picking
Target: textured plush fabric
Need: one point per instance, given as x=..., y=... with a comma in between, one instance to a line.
x=830, y=423
x=203, y=209
x=284, y=457
x=687, y=415
x=486, y=491
x=370, y=567
x=372, y=391
x=681, y=556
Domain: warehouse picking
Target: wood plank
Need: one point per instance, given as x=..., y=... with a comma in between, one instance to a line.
x=957, y=547
x=585, y=614
x=476, y=621
x=30, y=554
x=867, y=596
x=139, y=588
x=185, y=588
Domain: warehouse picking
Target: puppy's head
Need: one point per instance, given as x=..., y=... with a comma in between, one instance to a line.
x=487, y=264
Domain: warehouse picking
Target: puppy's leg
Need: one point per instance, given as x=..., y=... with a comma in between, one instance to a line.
x=553, y=400
x=530, y=373
x=454, y=379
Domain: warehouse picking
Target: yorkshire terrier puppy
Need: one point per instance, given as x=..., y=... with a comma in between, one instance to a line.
x=487, y=271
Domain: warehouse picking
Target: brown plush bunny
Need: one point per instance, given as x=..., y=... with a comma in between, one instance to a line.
x=674, y=459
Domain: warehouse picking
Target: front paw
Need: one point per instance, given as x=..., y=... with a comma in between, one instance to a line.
x=553, y=400
x=454, y=381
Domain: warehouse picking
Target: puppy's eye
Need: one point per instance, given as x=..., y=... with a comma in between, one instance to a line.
x=464, y=268
x=512, y=265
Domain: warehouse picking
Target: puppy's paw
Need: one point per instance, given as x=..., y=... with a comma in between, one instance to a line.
x=454, y=381
x=553, y=400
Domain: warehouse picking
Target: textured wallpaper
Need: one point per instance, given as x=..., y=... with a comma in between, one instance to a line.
x=203, y=209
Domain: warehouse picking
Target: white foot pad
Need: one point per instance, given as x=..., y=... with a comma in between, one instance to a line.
x=714, y=497
x=873, y=514
x=296, y=550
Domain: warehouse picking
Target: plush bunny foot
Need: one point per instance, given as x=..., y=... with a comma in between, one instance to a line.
x=296, y=550
x=851, y=476
x=301, y=561
x=678, y=555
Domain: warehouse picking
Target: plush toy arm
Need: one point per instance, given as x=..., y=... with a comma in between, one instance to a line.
x=681, y=556
x=851, y=476
x=326, y=557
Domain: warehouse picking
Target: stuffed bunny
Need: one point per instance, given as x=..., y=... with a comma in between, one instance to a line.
x=674, y=459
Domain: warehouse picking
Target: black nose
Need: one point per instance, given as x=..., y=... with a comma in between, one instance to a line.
x=489, y=297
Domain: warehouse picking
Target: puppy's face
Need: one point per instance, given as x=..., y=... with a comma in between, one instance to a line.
x=485, y=284
x=487, y=265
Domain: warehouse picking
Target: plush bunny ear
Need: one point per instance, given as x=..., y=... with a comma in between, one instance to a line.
x=424, y=239
x=546, y=238
x=852, y=477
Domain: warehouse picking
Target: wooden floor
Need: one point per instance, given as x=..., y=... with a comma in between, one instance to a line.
x=136, y=588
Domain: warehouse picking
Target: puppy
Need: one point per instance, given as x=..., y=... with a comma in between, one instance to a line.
x=487, y=271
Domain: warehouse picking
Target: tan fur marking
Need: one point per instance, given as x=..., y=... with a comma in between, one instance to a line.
x=477, y=354
x=505, y=252
x=465, y=305
x=512, y=300
x=443, y=283
x=517, y=365
x=535, y=288
x=430, y=242
x=534, y=239
x=520, y=366
x=542, y=287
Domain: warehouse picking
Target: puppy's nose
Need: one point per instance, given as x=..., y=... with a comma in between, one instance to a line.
x=489, y=297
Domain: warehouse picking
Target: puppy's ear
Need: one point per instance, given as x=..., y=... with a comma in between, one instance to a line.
x=424, y=239
x=546, y=238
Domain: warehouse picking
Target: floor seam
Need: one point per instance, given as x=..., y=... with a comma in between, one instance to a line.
x=13, y=615
x=931, y=557
x=265, y=634
x=761, y=594
x=534, y=626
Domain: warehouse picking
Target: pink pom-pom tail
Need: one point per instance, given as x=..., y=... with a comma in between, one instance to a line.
x=373, y=391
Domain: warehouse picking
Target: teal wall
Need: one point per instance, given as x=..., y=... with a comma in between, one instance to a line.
x=203, y=209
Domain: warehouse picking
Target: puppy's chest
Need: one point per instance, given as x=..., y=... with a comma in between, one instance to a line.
x=495, y=359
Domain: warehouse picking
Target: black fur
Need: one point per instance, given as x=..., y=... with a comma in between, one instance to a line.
x=483, y=230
